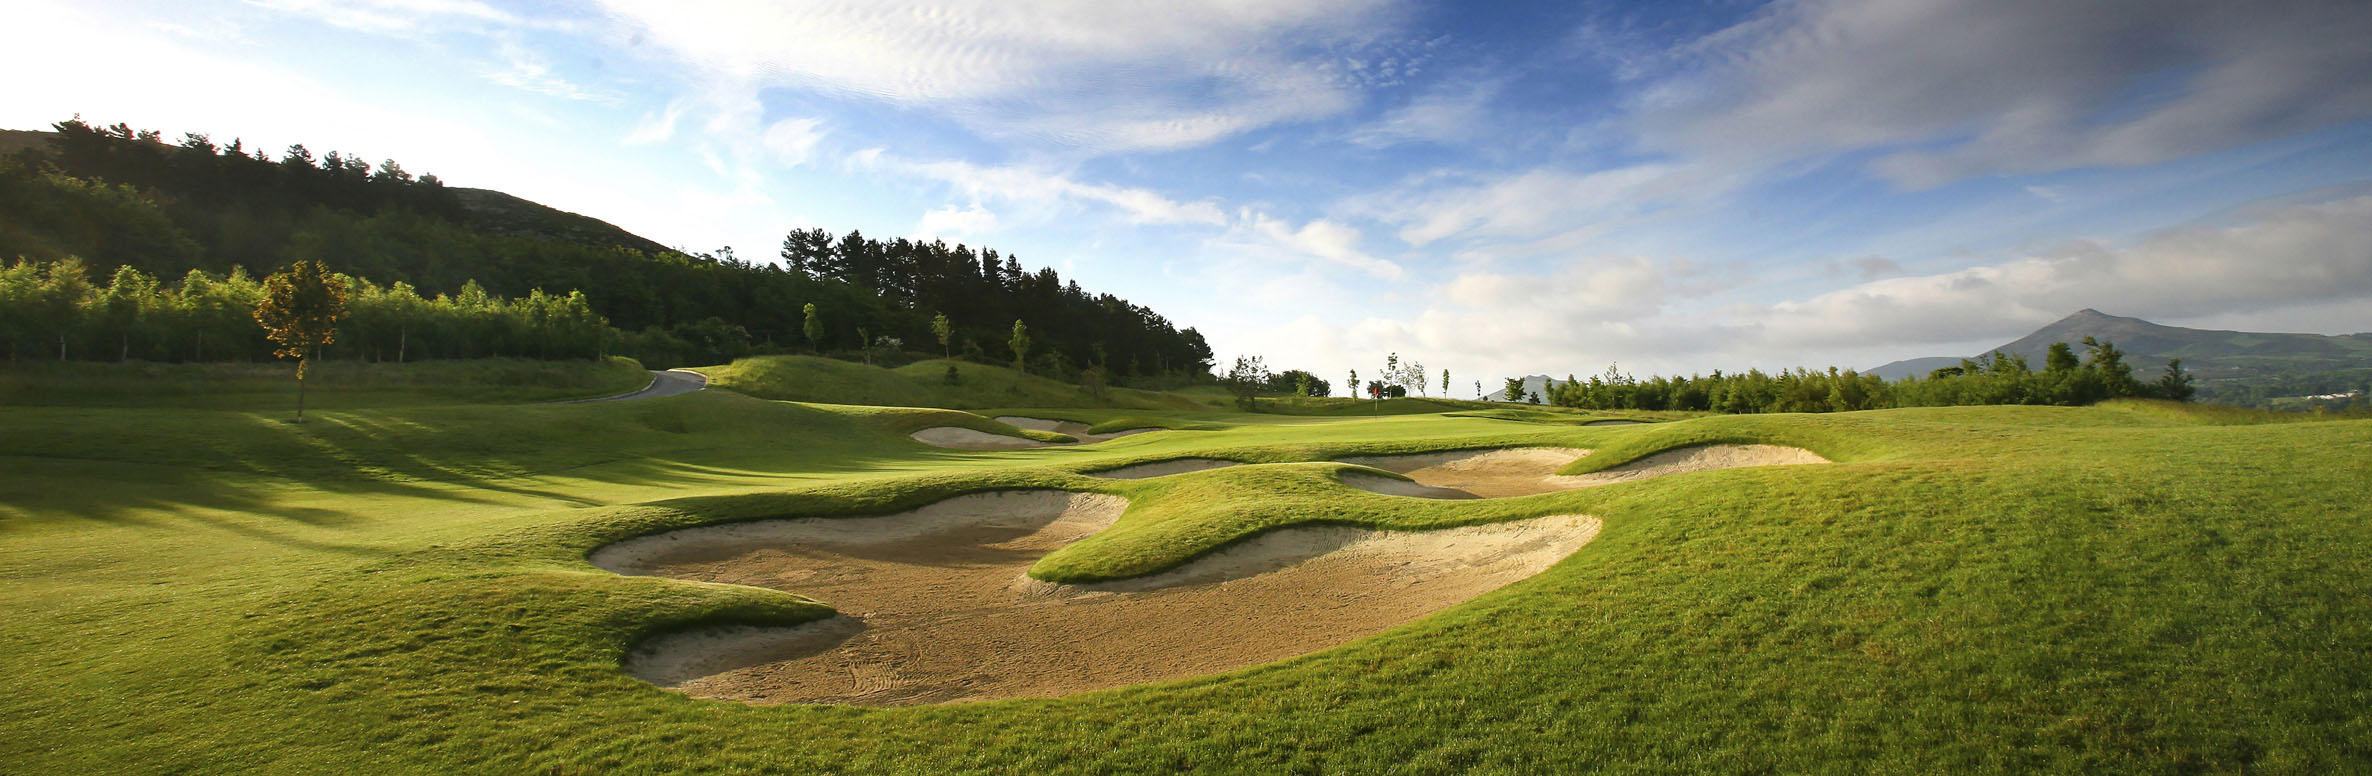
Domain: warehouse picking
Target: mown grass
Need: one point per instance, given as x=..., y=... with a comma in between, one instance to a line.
x=1967, y=590
x=328, y=384
x=920, y=384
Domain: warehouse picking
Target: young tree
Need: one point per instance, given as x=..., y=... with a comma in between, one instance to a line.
x=1301, y=386
x=814, y=329
x=1351, y=387
x=1445, y=383
x=2175, y=383
x=300, y=312
x=1245, y=380
x=1478, y=394
x=1021, y=346
x=945, y=329
x=1514, y=389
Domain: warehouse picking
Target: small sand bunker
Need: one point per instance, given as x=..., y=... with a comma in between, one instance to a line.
x=1693, y=459
x=1164, y=468
x=936, y=606
x=1515, y=471
x=959, y=438
x=1391, y=486
x=1071, y=427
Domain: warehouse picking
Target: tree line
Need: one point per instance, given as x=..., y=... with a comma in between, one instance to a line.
x=118, y=197
x=55, y=310
x=1998, y=378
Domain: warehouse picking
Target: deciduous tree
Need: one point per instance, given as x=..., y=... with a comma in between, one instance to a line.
x=300, y=311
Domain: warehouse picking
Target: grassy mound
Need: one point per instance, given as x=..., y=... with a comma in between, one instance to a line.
x=921, y=384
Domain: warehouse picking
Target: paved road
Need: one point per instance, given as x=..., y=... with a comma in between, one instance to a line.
x=667, y=383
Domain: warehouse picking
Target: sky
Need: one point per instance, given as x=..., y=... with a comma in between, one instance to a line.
x=1491, y=189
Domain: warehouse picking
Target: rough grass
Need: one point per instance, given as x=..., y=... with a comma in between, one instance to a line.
x=328, y=384
x=921, y=384
x=1968, y=590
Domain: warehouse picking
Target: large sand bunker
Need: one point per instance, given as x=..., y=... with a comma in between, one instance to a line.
x=1144, y=471
x=1525, y=471
x=936, y=607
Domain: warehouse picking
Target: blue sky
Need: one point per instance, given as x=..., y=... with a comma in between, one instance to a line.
x=1493, y=189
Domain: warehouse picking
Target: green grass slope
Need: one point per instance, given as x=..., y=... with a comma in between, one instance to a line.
x=328, y=385
x=2126, y=589
x=921, y=384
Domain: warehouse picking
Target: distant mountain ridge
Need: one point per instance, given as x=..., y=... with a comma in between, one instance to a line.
x=2210, y=354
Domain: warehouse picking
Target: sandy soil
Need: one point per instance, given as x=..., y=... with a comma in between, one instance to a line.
x=959, y=438
x=1164, y=468
x=1693, y=459
x=1071, y=427
x=1527, y=470
x=936, y=606
x=1514, y=471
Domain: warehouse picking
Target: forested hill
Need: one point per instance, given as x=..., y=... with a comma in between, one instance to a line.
x=2238, y=367
x=117, y=197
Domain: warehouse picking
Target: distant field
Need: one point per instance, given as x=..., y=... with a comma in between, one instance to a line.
x=2134, y=587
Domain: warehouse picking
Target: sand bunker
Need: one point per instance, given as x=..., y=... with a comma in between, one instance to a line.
x=1390, y=486
x=1515, y=471
x=1164, y=468
x=1524, y=471
x=1693, y=459
x=935, y=606
x=959, y=438
x=1071, y=427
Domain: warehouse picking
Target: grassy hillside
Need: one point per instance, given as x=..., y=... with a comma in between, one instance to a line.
x=2134, y=588
x=329, y=384
x=921, y=384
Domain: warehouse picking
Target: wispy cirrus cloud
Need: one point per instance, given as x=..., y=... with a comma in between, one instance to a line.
x=1080, y=72
x=1947, y=90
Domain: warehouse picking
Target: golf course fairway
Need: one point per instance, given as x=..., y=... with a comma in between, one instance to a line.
x=481, y=586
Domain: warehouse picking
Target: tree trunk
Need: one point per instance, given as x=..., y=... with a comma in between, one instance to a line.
x=126, y=343
x=402, y=336
x=300, y=390
x=201, y=346
x=61, y=344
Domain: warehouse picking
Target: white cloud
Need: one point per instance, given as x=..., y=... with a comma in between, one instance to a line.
x=1011, y=183
x=657, y=127
x=1326, y=240
x=793, y=140
x=949, y=221
x=1962, y=88
x=1530, y=204
x=1086, y=72
x=523, y=68
x=1457, y=111
x=393, y=17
